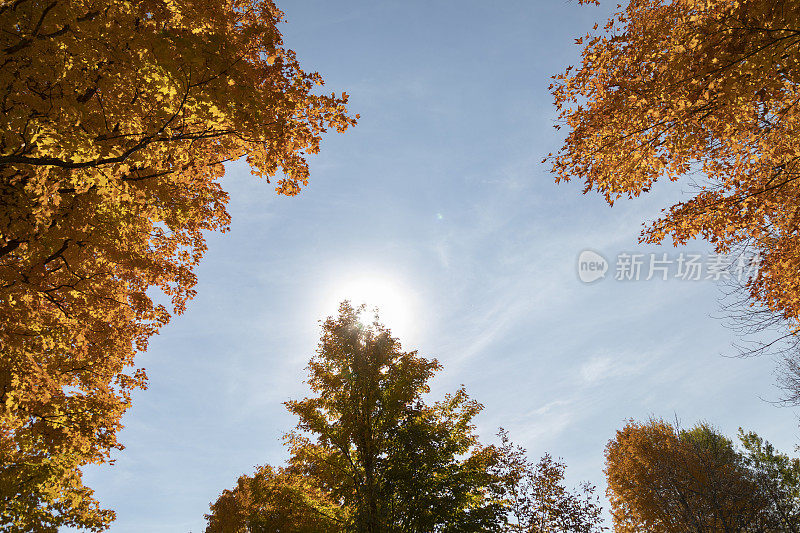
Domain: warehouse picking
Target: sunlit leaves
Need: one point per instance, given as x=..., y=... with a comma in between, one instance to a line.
x=666, y=480
x=370, y=454
x=395, y=462
x=274, y=499
x=703, y=88
x=116, y=121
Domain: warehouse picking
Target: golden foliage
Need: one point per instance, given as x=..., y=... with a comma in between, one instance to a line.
x=672, y=88
x=116, y=121
x=666, y=481
x=273, y=499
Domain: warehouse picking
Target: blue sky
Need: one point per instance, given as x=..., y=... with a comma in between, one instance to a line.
x=438, y=200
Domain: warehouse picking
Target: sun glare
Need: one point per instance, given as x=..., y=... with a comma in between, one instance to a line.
x=395, y=302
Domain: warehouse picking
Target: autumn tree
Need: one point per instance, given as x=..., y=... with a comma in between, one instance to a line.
x=371, y=440
x=370, y=454
x=537, y=499
x=117, y=118
x=274, y=499
x=704, y=91
x=664, y=480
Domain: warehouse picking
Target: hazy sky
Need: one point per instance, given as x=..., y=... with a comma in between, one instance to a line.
x=437, y=205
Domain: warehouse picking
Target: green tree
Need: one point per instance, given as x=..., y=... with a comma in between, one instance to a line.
x=368, y=437
x=371, y=455
x=778, y=476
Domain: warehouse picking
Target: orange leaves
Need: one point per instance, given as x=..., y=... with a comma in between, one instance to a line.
x=662, y=479
x=696, y=88
x=273, y=499
x=117, y=121
x=537, y=497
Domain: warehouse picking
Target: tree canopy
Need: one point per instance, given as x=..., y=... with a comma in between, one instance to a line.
x=117, y=118
x=274, y=499
x=537, y=499
x=368, y=436
x=704, y=90
x=370, y=454
x=668, y=480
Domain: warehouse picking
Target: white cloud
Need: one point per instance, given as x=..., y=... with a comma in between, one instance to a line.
x=602, y=367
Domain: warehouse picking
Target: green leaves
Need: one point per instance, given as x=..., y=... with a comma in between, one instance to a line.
x=373, y=436
x=374, y=456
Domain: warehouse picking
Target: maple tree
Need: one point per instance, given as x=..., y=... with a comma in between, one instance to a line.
x=367, y=435
x=116, y=120
x=369, y=454
x=705, y=91
x=273, y=499
x=666, y=480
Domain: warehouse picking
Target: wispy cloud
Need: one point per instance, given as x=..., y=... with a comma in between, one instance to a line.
x=600, y=368
x=545, y=423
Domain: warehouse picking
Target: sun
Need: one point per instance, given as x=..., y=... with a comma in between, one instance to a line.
x=395, y=301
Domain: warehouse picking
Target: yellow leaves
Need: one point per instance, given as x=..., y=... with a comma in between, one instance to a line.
x=674, y=91
x=663, y=479
x=275, y=499
x=110, y=184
